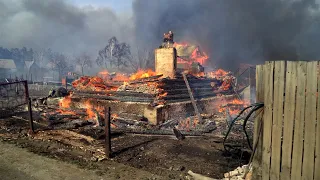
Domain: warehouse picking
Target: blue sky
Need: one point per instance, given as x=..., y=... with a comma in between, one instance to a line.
x=117, y=5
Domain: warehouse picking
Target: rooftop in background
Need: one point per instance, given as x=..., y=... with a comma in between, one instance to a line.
x=185, y=50
x=7, y=64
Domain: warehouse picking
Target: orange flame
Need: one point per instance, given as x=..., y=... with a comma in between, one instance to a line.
x=163, y=95
x=89, y=108
x=185, y=124
x=234, y=106
x=66, y=112
x=196, y=55
x=142, y=74
x=218, y=73
x=65, y=102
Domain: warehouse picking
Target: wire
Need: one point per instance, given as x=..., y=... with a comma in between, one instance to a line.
x=256, y=107
x=245, y=123
x=255, y=145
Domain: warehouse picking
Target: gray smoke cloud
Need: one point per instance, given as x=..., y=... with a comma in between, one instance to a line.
x=59, y=25
x=234, y=31
x=230, y=31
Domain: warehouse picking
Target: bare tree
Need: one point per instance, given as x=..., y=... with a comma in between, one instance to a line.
x=142, y=59
x=59, y=62
x=83, y=61
x=114, y=54
x=42, y=57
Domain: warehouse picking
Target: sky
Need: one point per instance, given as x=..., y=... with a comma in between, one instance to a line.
x=117, y=5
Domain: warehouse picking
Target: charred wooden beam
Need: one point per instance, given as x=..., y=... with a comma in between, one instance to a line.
x=181, y=86
x=191, y=80
x=115, y=93
x=114, y=98
x=156, y=132
x=192, y=99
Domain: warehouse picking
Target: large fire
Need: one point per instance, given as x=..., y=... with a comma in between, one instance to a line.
x=106, y=83
x=195, y=56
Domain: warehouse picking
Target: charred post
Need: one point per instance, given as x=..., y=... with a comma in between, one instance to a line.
x=108, y=132
x=28, y=100
x=30, y=115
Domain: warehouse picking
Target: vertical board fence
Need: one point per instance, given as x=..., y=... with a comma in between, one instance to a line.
x=287, y=133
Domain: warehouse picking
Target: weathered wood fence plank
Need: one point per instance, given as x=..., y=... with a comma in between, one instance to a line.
x=296, y=168
x=317, y=153
x=267, y=119
x=258, y=128
x=310, y=121
x=277, y=119
x=289, y=109
x=290, y=142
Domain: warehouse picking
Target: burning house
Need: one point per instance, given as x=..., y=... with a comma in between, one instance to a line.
x=175, y=94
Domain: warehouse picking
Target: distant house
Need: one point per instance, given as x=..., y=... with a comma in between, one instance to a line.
x=7, y=67
x=32, y=70
x=31, y=66
x=185, y=51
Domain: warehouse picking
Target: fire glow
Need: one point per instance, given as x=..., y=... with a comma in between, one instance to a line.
x=148, y=84
x=196, y=55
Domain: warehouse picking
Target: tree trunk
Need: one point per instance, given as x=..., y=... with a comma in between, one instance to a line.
x=82, y=70
x=59, y=74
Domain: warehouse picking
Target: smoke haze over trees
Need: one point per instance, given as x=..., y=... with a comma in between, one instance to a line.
x=230, y=31
x=59, y=25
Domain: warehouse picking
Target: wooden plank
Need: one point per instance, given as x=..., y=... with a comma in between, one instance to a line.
x=317, y=153
x=192, y=99
x=310, y=121
x=289, y=107
x=267, y=119
x=277, y=119
x=296, y=167
x=257, y=159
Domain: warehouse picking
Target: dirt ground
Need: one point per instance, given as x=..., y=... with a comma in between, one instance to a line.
x=134, y=156
x=19, y=163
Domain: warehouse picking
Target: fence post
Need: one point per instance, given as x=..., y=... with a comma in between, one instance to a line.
x=108, y=132
x=29, y=105
x=30, y=115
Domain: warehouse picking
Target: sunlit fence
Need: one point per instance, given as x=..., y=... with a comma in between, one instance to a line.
x=287, y=134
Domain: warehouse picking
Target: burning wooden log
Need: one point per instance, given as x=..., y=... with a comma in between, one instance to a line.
x=147, y=79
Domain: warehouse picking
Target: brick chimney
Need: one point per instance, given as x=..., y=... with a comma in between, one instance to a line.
x=166, y=62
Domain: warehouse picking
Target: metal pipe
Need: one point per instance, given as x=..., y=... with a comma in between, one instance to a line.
x=108, y=132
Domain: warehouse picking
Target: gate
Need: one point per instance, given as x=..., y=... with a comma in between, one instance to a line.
x=12, y=95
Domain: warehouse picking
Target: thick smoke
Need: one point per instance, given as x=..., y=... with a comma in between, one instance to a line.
x=234, y=31
x=59, y=25
x=230, y=31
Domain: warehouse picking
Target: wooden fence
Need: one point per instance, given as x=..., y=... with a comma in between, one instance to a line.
x=286, y=133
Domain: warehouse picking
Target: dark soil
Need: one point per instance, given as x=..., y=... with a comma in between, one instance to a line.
x=161, y=155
